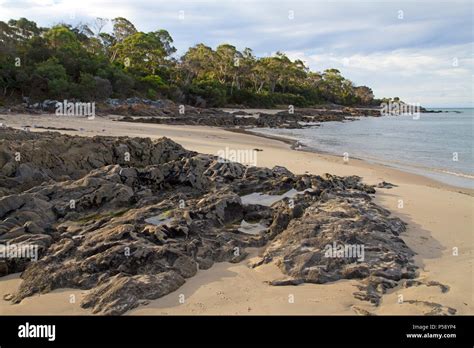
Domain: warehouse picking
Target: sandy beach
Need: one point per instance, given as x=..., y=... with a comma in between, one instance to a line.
x=440, y=231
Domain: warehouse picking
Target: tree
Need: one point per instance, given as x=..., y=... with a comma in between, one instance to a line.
x=271, y=68
x=23, y=29
x=123, y=28
x=55, y=76
x=7, y=75
x=224, y=63
x=364, y=94
x=245, y=68
x=336, y=88
x=61, y=37
x=99, y=24
x=166, y=41
x=85, y=62
x=197, y=63
x=141, y=52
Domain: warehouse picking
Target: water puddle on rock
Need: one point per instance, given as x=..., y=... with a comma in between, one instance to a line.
x=268, y=200
x=159, y=220
x=249, y=228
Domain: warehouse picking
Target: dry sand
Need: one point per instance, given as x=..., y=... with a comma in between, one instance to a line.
x=440, y=218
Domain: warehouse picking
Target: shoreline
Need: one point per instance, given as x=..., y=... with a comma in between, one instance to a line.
x=429, y=173
x=247, y=131
x=333, y=157
x=439, y=217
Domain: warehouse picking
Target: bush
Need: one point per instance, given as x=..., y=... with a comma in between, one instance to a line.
x=51, y=70
x=249, y=98
x=266, y=99
x=213, y=92
x=122, y=83
x=151, y=81
x=103, y=88
x=57, y=88
x=288, y=99
x=90, y=88
x=151, y=94
x=153, y=85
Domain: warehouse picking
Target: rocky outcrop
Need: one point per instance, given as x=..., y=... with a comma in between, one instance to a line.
x=131, y=231
x=122, y=293
x=218, y=118
x=344, y=238
x=28, y=159
x=167, y=112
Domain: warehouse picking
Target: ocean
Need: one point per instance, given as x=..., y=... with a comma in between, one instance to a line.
x=436, y=145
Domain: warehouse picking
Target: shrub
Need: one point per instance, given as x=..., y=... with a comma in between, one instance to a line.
x=213, y=92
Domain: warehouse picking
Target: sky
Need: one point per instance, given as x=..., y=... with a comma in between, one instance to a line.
x=421, y=51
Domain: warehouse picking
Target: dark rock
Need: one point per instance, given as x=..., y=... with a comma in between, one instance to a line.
x=122, y=293
x=131, y=231
x=3, y=268
x=286, y=281
x=385, y=184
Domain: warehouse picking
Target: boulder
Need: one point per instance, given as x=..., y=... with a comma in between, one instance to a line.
x=122, y=293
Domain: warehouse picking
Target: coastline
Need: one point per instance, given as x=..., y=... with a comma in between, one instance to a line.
x=439, y=218
x=430, y=159
x=357, y=161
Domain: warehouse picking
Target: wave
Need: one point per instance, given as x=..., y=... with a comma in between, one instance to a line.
x=456, y=178
x=462, y=175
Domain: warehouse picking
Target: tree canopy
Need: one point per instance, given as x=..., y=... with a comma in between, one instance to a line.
x=85, y=62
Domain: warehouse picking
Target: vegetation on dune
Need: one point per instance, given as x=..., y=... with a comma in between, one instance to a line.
x=86, y=63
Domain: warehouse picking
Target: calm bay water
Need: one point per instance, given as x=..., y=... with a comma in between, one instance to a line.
x=439, y=146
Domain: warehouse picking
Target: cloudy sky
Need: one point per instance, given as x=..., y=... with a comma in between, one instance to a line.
x=421, y=51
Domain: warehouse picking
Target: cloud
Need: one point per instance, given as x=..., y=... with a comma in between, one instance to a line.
x=435, y=77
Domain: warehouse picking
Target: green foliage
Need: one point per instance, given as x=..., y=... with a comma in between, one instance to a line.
x=153, y=85
x=266, y=99
x=58, y=88
x=55, y=76
x=51, y=70
x=152, y=81
x=8, y=74
x=122, y=83
x=141, y=52
x=212, y=91
x=85, y=63
x=62, y=38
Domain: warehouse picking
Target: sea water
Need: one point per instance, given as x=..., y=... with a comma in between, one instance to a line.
x=436, y=145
